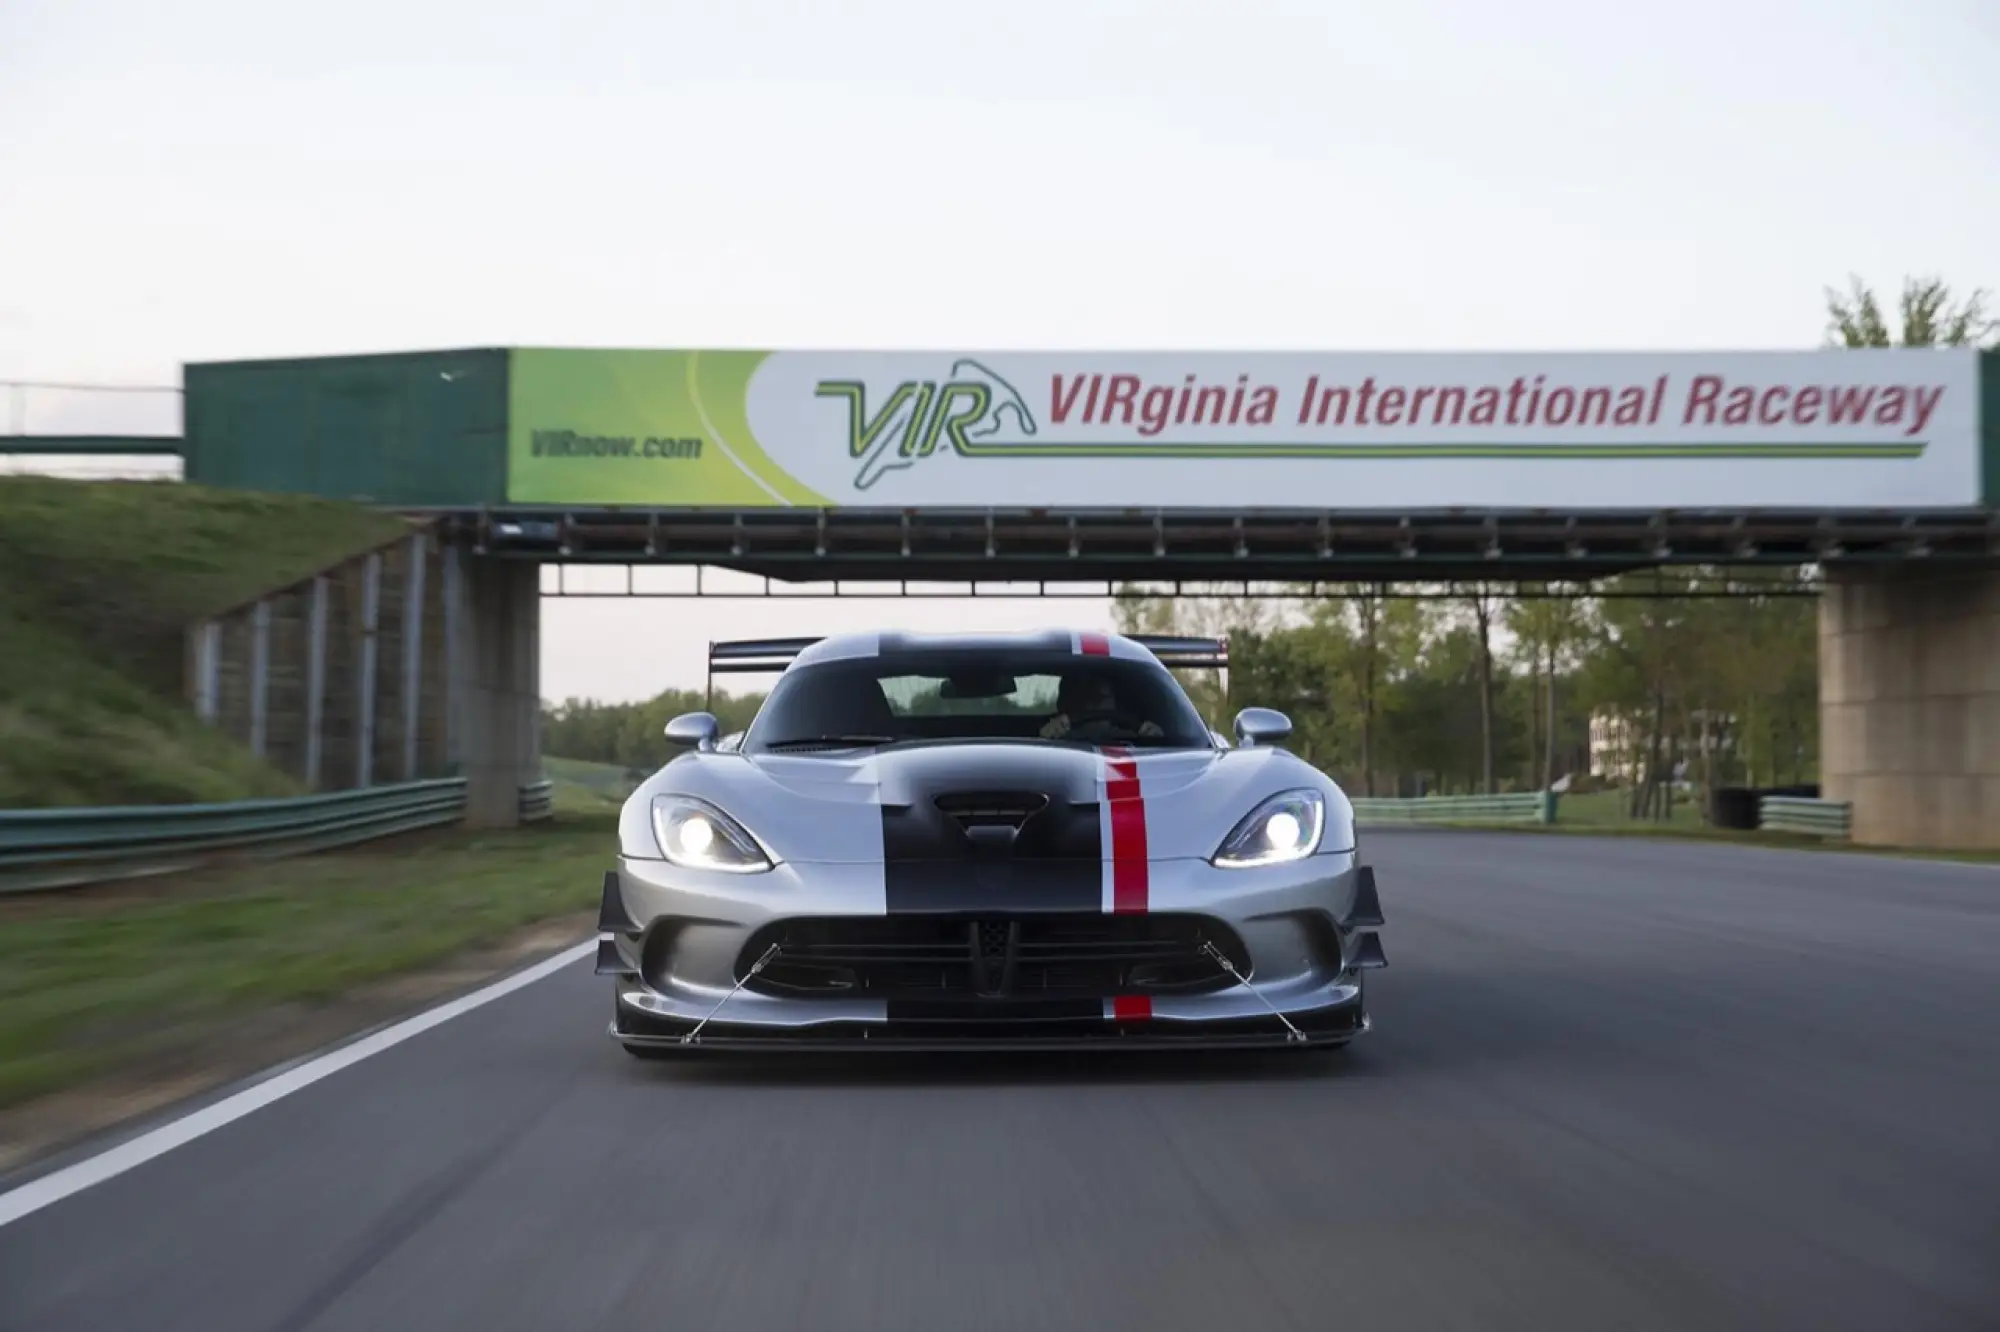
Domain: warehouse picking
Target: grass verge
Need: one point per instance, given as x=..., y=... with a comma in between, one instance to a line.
x=586, y=788
x=1612, y=809
x=142, y=975
x=1607, y=814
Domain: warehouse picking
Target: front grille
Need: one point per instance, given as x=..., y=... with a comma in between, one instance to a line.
x=989, y=956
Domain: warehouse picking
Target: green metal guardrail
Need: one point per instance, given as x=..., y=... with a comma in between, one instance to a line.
x=1793, y=814
x=55, y=848
x=1521, y=807
x=538, y=801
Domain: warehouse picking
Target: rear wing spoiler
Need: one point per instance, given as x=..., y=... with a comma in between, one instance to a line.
x=747, y=655
x=1192, y=653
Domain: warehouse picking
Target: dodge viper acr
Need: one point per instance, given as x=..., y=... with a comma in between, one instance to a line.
x=966, y=841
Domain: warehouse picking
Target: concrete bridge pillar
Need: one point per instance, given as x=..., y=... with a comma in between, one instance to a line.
x=1910, y=703
x=498, y=665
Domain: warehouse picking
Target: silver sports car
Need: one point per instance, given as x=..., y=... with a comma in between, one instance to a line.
x=958, y=840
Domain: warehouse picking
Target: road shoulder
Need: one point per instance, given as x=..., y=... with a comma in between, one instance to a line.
x=259, y=1042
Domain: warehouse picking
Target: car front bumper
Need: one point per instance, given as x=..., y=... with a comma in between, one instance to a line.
x=682, y=947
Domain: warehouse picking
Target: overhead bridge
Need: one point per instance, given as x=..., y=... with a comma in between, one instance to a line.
x=1266, y=544
x=1059, y=468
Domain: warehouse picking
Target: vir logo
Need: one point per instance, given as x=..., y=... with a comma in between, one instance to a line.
x=971, y=406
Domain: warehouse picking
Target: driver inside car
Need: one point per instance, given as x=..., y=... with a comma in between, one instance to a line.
x=1088, y=703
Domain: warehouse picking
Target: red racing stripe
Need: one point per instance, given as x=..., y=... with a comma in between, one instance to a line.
x=1093, y=645
x=1129, y=885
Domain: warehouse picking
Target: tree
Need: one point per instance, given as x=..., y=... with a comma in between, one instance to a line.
x=1431, y=710
x=1380, y=643
x=1927, y=313
x=1207, y=611
x=1295, y=671
x=1631, y=661
x=1481, y=602
x=1545, y=626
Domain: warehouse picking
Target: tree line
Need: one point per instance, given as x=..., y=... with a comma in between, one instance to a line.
x=1702, y=676
x=632, y=735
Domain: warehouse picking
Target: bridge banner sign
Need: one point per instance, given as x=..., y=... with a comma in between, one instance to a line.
x=1833, y=429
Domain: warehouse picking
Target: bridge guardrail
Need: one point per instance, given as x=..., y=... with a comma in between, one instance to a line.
x=1795, y=814
x=538, y=801
x=1517, y=807
x=56, y=848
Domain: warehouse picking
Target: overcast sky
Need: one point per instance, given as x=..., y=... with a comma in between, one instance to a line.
x=205, y=180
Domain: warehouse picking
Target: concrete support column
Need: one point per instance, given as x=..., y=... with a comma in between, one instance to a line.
x=497, y=680
x=1910, y=703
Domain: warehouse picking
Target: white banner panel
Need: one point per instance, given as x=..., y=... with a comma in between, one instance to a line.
x=1386, y=431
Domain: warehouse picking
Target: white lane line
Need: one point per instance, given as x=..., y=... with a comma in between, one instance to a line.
x=59, y=1184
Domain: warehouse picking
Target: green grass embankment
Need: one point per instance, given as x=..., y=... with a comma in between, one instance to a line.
x=188, y=976
x=98, y=583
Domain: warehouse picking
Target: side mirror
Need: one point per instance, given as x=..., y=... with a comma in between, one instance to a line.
x=1262, y=726
x=693, y=728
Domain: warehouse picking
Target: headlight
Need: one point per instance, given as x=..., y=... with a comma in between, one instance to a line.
x=696, y=835
x=1285, y=827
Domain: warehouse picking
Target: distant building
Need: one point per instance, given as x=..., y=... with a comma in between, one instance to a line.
x=1618, y=744
x=1614, y=746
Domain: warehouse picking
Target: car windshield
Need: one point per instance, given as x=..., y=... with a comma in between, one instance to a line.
x=968, y=694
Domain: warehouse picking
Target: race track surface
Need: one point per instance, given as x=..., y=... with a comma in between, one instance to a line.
x=1612, y=1085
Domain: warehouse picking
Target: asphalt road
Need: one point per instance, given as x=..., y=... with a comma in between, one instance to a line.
x=1612, y=1085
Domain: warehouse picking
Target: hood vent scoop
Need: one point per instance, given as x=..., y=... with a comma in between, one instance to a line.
x=987, y=813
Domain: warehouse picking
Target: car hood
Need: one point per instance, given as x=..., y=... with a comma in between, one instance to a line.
x=836, y=806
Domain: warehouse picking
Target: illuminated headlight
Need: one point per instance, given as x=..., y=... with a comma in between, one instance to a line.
x=695, y=834
x=1285, y=827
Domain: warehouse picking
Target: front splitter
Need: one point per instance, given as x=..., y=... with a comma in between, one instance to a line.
x=1320, y=1028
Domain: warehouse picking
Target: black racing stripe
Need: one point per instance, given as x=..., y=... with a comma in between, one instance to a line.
x=995, y=1010
x=932, y=863
x=932, y=886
